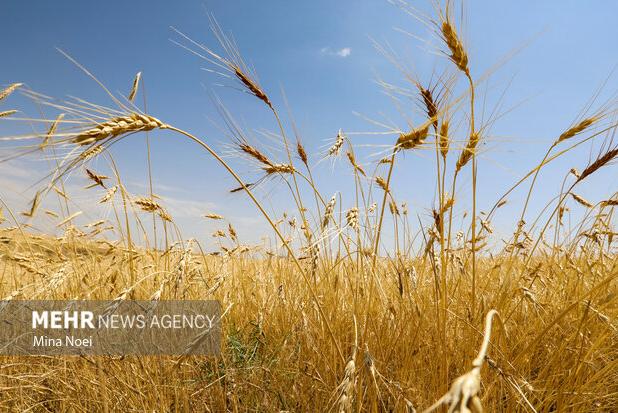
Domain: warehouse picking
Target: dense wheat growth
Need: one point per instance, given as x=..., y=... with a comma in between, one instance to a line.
x=358, y=303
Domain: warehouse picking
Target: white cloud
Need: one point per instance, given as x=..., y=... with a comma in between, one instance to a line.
x=343, y=53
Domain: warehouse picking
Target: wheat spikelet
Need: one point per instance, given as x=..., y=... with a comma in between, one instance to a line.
x=91, y=152
x=96, y=178
x=437, y=220
x=598, y=163
x=134, y=87
x=448, y=204
x=281, y=168
x=609, y=202
x=253, y=87
x=443, y=138
x=463, y=397
x=34, y=205
x=232, y=232
x=118, y=126
x=468, y=151
x=254, y=153
x=108, y=195
x=328, y=212
x=382, y=183
x=147, y=204
x=458, y=53
x=7, y=113
x=577, y=129
x=213, y=216
x=581, y=201
x=431, y=107
x=356, y=166
x=344, y=402
x=164, y=215
x=95, y=224
x=334, y=150
x=352, y=217
x=413, y=138
x=69, y=218
x=302, y=153
x=6, y=92
x=51, y=131
x=393, y=208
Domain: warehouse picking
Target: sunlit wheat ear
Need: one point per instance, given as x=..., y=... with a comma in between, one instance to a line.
x=382, y=183
x=394, y=209
x=91, y=152
x=577, y=129
x=6, y=92
x=344, y=403
x=609, y=202
x=279, y=168
x=443, y=138
x=7, y=113
x=232, y=232
x=352, y=218
x=413, y=138
x=468, y=151
x=582, y=201
x=51, y=131
x=355, y=165
x=213, y=216
x=69, y=218
x=336, y=147
x=117, y=127
x=328, y=212
x=147, y=204
x=134, y=87
x=448, y=203
x=463, y=396
x=150, y=205
x=34, y=205
x=458, y=53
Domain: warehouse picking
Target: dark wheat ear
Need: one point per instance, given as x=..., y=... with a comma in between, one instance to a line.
x=231, y=63
x=601, y=161
x=302, y=153
x=134, y=87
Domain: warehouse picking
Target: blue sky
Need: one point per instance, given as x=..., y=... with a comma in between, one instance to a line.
x=322, y=54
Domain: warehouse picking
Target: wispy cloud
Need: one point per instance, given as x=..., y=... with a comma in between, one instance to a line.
x=342, y=53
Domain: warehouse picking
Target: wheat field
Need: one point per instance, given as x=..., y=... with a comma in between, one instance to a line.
x=355, y=304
